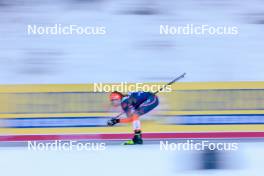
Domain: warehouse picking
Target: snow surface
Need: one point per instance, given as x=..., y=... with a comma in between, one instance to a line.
x=128, y=160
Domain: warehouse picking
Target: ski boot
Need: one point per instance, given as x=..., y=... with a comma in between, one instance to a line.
x=137, y=139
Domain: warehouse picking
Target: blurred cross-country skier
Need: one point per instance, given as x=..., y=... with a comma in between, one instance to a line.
x=134, y=104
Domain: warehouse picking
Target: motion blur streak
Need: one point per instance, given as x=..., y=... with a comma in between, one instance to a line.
x=221, y=99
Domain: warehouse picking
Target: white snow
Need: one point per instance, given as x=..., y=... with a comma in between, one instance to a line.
x=128, y=160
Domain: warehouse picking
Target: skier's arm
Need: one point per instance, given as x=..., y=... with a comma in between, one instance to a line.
x=129, y=109
x=131, y=116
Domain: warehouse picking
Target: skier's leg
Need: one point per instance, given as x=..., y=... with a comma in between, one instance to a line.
x=148, y=105
x=137, y=139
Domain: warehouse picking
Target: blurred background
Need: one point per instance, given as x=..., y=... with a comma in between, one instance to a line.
x=132, y=44
x=46, y=85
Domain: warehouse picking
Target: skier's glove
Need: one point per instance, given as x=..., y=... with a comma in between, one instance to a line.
x=112, y=122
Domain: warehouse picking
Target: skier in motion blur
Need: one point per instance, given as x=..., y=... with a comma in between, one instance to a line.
x=134, y=104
